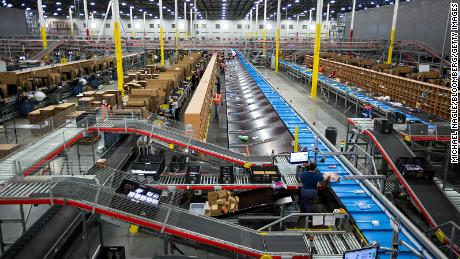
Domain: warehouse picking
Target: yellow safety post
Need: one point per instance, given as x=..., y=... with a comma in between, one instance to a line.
x=266, y=256
x=296, y=139
x=118, y=51
x=162, y=43
x=393, y=32
x=277, y=35
x=43, y=33
x=264, y=43
x=314, y=83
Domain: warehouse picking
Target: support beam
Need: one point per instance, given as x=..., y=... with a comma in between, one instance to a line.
x=277, y=36
x=185, y=20
x=257, y=21
x=328, y=27
x=42, y=22
x=131, y=21
x=176, y=26
x=191, y=22
x=265, y=28
x=297, y=27
x=85, y=8
x=393, y=32
x=118, y=51
x=145, y=25
x=71, y=22
x=319, y=12
x=352, y=20
x=162, y=43
x=109, y=6
x=251, y=29
x=310, y=18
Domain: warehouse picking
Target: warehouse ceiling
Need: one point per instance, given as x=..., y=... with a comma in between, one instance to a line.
x=210, y=9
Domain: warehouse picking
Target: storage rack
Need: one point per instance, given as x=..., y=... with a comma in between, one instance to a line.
x=404, y=90
x=353, y=98
x=198, y=110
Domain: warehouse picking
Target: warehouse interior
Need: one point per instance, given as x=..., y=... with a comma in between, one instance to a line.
x=229, y=129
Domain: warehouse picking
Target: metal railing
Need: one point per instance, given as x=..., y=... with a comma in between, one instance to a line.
x=308, y=218
x=451, y=230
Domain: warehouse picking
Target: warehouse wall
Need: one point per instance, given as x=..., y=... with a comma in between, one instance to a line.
x=421, y=20
x=228, y=28
x=12, y=22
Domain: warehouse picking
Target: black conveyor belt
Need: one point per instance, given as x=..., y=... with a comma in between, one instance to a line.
x=49, y=234
x=432, y=198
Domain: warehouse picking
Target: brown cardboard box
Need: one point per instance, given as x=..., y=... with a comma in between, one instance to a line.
x=4, y=90
x=35, y=117
x=6, y=149
x=212, y=197
x=110, y=98
x=47, y=112
x=85, y=102
x=222, y=194
x=89, y=93
x=220, y=201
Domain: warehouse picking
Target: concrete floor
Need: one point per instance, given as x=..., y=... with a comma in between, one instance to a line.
x=314, y=109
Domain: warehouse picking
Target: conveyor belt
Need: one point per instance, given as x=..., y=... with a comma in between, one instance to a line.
x=165, y=135
x=428, y=197
x=31, y=157
x=165, y=218
x=351, y=193
x=249, y=113
x=40, y=245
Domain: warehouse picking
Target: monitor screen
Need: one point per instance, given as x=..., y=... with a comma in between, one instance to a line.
x=298, y=157
x=365, y=253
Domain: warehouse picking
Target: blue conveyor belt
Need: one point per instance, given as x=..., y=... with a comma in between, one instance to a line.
x=351, y=193
x=346, y=89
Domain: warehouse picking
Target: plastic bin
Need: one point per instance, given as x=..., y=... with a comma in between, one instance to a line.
x=331, y=135
x=77, y=89
x=197, y=208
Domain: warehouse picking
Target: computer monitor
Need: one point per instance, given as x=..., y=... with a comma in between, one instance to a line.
x=364, y=253
x=298, y=158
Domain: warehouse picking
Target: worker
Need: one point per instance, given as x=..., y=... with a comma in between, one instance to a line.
x=217, y=100
x=106, y=109
x=174, y=111
x=320, y=69
x=310, y=66
x=333, y=74
x=218, y=85
x=310, y=177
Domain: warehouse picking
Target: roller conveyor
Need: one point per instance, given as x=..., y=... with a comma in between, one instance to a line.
x=165, y=218
x=31, y=157
x=351, y=193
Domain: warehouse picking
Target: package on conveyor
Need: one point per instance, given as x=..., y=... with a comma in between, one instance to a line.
x=6, y=149
x=102, y=162
x=221, y=202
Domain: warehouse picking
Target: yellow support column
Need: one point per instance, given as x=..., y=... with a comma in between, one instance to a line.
x=314, y=82
x=43, y=33
x=277, y=35
x=393, y=32
x=162, y=47
x=296, y=139
x=118, y=51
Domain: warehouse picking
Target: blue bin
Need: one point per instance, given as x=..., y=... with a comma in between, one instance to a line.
x=95, y=83
x=77, y=89
x=25, y=107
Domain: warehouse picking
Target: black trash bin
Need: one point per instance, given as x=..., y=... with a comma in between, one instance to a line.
x=331, y=134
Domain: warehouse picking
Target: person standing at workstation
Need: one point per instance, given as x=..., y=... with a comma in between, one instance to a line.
x=310, y=177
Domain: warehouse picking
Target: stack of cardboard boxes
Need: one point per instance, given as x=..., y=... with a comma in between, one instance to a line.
x=93, y=99
x=58, y=114
x=221, y=202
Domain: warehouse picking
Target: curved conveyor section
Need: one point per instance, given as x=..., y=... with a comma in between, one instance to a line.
x=350, y=192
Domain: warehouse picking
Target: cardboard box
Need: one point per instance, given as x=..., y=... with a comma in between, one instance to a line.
x=222, y=194
x=212, y=197
x=110, y=98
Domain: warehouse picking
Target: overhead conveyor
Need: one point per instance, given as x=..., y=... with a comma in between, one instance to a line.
x=157, y=128
x=361, y=199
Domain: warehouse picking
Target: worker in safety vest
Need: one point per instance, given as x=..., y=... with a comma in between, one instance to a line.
x=217, y=100
x=106, y=109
